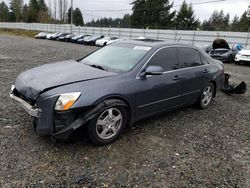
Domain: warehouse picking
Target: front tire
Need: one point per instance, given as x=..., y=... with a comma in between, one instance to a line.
x=108, y=125
x=206, y=96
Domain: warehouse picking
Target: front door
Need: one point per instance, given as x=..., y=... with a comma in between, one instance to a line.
x=159, y=92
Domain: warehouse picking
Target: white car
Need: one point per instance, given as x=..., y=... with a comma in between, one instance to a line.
x=51, y=34
x=104, y=41
x=243, y=56
x=41, y=35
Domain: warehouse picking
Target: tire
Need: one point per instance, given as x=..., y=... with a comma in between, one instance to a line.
x=104, y=129
x=231, y=59
x=206, y=96
x=237, y=63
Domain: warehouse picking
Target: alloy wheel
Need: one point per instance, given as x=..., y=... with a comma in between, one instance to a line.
x=109, y=123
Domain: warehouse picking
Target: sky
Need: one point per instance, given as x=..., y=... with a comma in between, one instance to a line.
x=93, y=9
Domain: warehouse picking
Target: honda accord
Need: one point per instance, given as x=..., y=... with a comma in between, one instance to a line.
x=116, y=86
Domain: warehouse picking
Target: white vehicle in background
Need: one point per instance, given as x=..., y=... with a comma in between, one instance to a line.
x=243, y=56
x=51, y=35
x=112, y=41
x=104, y=41
x=41, y=35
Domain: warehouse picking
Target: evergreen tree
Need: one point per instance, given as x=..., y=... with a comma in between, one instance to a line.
x=42, y=6
x=78, y=19
x=69, y=15
x=244, y=23
x=33, y=11
x=4, y=12
x=152, y=14
x=217, y=22
x=235, y=23
x=16, y=8
x=185, y=18
x=25, y=13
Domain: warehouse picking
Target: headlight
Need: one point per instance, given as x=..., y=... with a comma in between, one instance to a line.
x=66, y=101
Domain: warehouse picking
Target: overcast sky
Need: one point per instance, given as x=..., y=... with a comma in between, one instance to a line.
x=204, y=11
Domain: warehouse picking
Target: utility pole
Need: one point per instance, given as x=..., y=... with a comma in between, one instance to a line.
x=72, y=12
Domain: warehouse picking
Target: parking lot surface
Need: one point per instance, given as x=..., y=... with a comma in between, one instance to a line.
x=184, y=148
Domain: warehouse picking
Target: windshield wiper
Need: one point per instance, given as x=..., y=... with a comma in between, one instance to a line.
x=98, y=67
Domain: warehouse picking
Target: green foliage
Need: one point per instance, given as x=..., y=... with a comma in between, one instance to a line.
x=244, y=23
x=78, y=19
x=152, y=14
x=69, y=15
x=16, y=8
x=4, y=12
x=185, y=19
x=25, y=13
x=33, y=11
x=109, y=22
x=42, y=6
x=217, y=22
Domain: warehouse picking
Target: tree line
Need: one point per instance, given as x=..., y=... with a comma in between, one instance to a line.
x=151, y=14
x=159, y=14
x=38, y=11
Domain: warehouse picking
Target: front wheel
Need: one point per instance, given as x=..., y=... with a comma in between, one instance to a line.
x=206, y=96
x=108, y=125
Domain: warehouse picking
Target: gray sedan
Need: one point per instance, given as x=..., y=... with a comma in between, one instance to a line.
x=116, y=86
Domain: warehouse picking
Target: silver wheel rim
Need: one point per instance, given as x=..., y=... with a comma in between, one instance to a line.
x=207, y=96
x=109, y=123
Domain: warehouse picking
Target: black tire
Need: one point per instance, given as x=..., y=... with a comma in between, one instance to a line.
x=93, y=132
x=231, y=59
x=237, y=63
x=202, y=102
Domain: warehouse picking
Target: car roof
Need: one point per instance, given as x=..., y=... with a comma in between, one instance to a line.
x=155, y=43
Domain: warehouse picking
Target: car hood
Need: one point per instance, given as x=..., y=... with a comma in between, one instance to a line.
x=37, y=80
x=245, y=52
x=220, y=43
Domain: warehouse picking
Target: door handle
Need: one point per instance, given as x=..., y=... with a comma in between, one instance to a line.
x=177, y=77
x=205, y=71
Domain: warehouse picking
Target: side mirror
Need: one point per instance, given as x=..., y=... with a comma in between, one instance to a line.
x=154, y=70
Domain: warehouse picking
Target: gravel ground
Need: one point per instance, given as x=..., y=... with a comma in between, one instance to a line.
x=184, y=148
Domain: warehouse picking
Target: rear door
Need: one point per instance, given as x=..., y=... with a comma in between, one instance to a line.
x=194, y=72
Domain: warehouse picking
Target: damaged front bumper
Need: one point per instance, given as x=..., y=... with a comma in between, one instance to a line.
x=34, y=112
x=47, y=121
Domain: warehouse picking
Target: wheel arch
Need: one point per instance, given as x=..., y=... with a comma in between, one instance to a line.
x=215, y=87
x=121, y=98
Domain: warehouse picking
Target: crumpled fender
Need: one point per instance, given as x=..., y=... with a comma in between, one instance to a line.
x=83, y=119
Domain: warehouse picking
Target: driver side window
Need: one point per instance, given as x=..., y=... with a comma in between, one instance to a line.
x=165, y=58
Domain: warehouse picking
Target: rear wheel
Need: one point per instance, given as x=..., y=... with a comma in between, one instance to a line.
x=206, y=96
x=108, y=125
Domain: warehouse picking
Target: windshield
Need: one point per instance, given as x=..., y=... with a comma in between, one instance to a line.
x=117, y=58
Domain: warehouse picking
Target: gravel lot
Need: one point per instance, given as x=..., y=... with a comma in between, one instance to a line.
x=184, y=148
